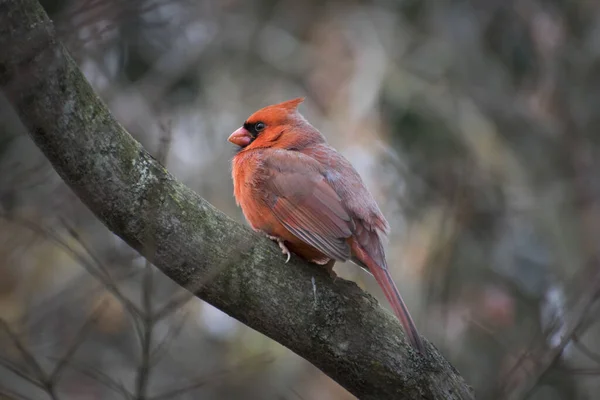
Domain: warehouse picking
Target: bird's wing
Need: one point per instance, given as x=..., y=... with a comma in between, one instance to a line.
x=303, y=201
x=370, y=224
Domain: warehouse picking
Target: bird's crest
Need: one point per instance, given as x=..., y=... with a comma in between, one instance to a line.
x=276, y=113
x=291, y=104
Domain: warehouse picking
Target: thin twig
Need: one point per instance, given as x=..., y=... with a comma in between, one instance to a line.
x=31, y=361
x=162, y=347
x=79, y=338
x=547, y=360
x=10, y=366
x=101, y=377
x=212, y=378
x=106, y=281
x=585, y=350
x=148, y=323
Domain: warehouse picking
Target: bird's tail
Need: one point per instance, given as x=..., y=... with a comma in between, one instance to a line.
x=385, y=281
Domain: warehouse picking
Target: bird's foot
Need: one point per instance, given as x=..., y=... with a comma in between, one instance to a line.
x=282, y=246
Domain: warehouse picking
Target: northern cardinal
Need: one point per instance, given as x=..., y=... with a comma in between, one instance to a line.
x=299, y=191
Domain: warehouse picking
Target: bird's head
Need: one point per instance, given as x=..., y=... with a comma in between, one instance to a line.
x=277, y=126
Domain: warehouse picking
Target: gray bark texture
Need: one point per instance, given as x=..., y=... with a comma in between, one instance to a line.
x=334, y=325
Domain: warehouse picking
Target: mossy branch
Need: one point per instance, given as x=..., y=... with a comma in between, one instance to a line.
x=335, y=326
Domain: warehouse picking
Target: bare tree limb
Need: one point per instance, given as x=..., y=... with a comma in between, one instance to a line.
x=346, y=333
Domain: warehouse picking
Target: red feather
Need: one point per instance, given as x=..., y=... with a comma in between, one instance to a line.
x=294, y=187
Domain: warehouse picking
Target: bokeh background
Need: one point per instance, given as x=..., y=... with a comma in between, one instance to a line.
x=474, y=123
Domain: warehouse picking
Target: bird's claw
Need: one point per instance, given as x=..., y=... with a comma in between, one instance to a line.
x=282, y=246
x=284, y=250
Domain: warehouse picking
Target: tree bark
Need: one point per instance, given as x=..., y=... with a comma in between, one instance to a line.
x=334, y=325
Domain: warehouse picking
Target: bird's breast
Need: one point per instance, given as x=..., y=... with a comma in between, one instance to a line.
x=250, y=193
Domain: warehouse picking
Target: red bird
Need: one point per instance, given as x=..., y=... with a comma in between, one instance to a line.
x=299, y=191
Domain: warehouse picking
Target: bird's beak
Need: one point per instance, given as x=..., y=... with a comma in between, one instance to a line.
x=241, y=137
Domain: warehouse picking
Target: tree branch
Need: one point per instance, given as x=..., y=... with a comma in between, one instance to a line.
x=335, y=326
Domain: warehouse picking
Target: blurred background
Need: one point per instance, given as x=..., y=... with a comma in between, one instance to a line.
x=473, y=122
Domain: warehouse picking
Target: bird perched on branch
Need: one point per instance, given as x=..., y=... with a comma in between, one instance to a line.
x=302, y=193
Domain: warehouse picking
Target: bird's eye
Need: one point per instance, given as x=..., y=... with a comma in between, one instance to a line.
x=259, y=126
